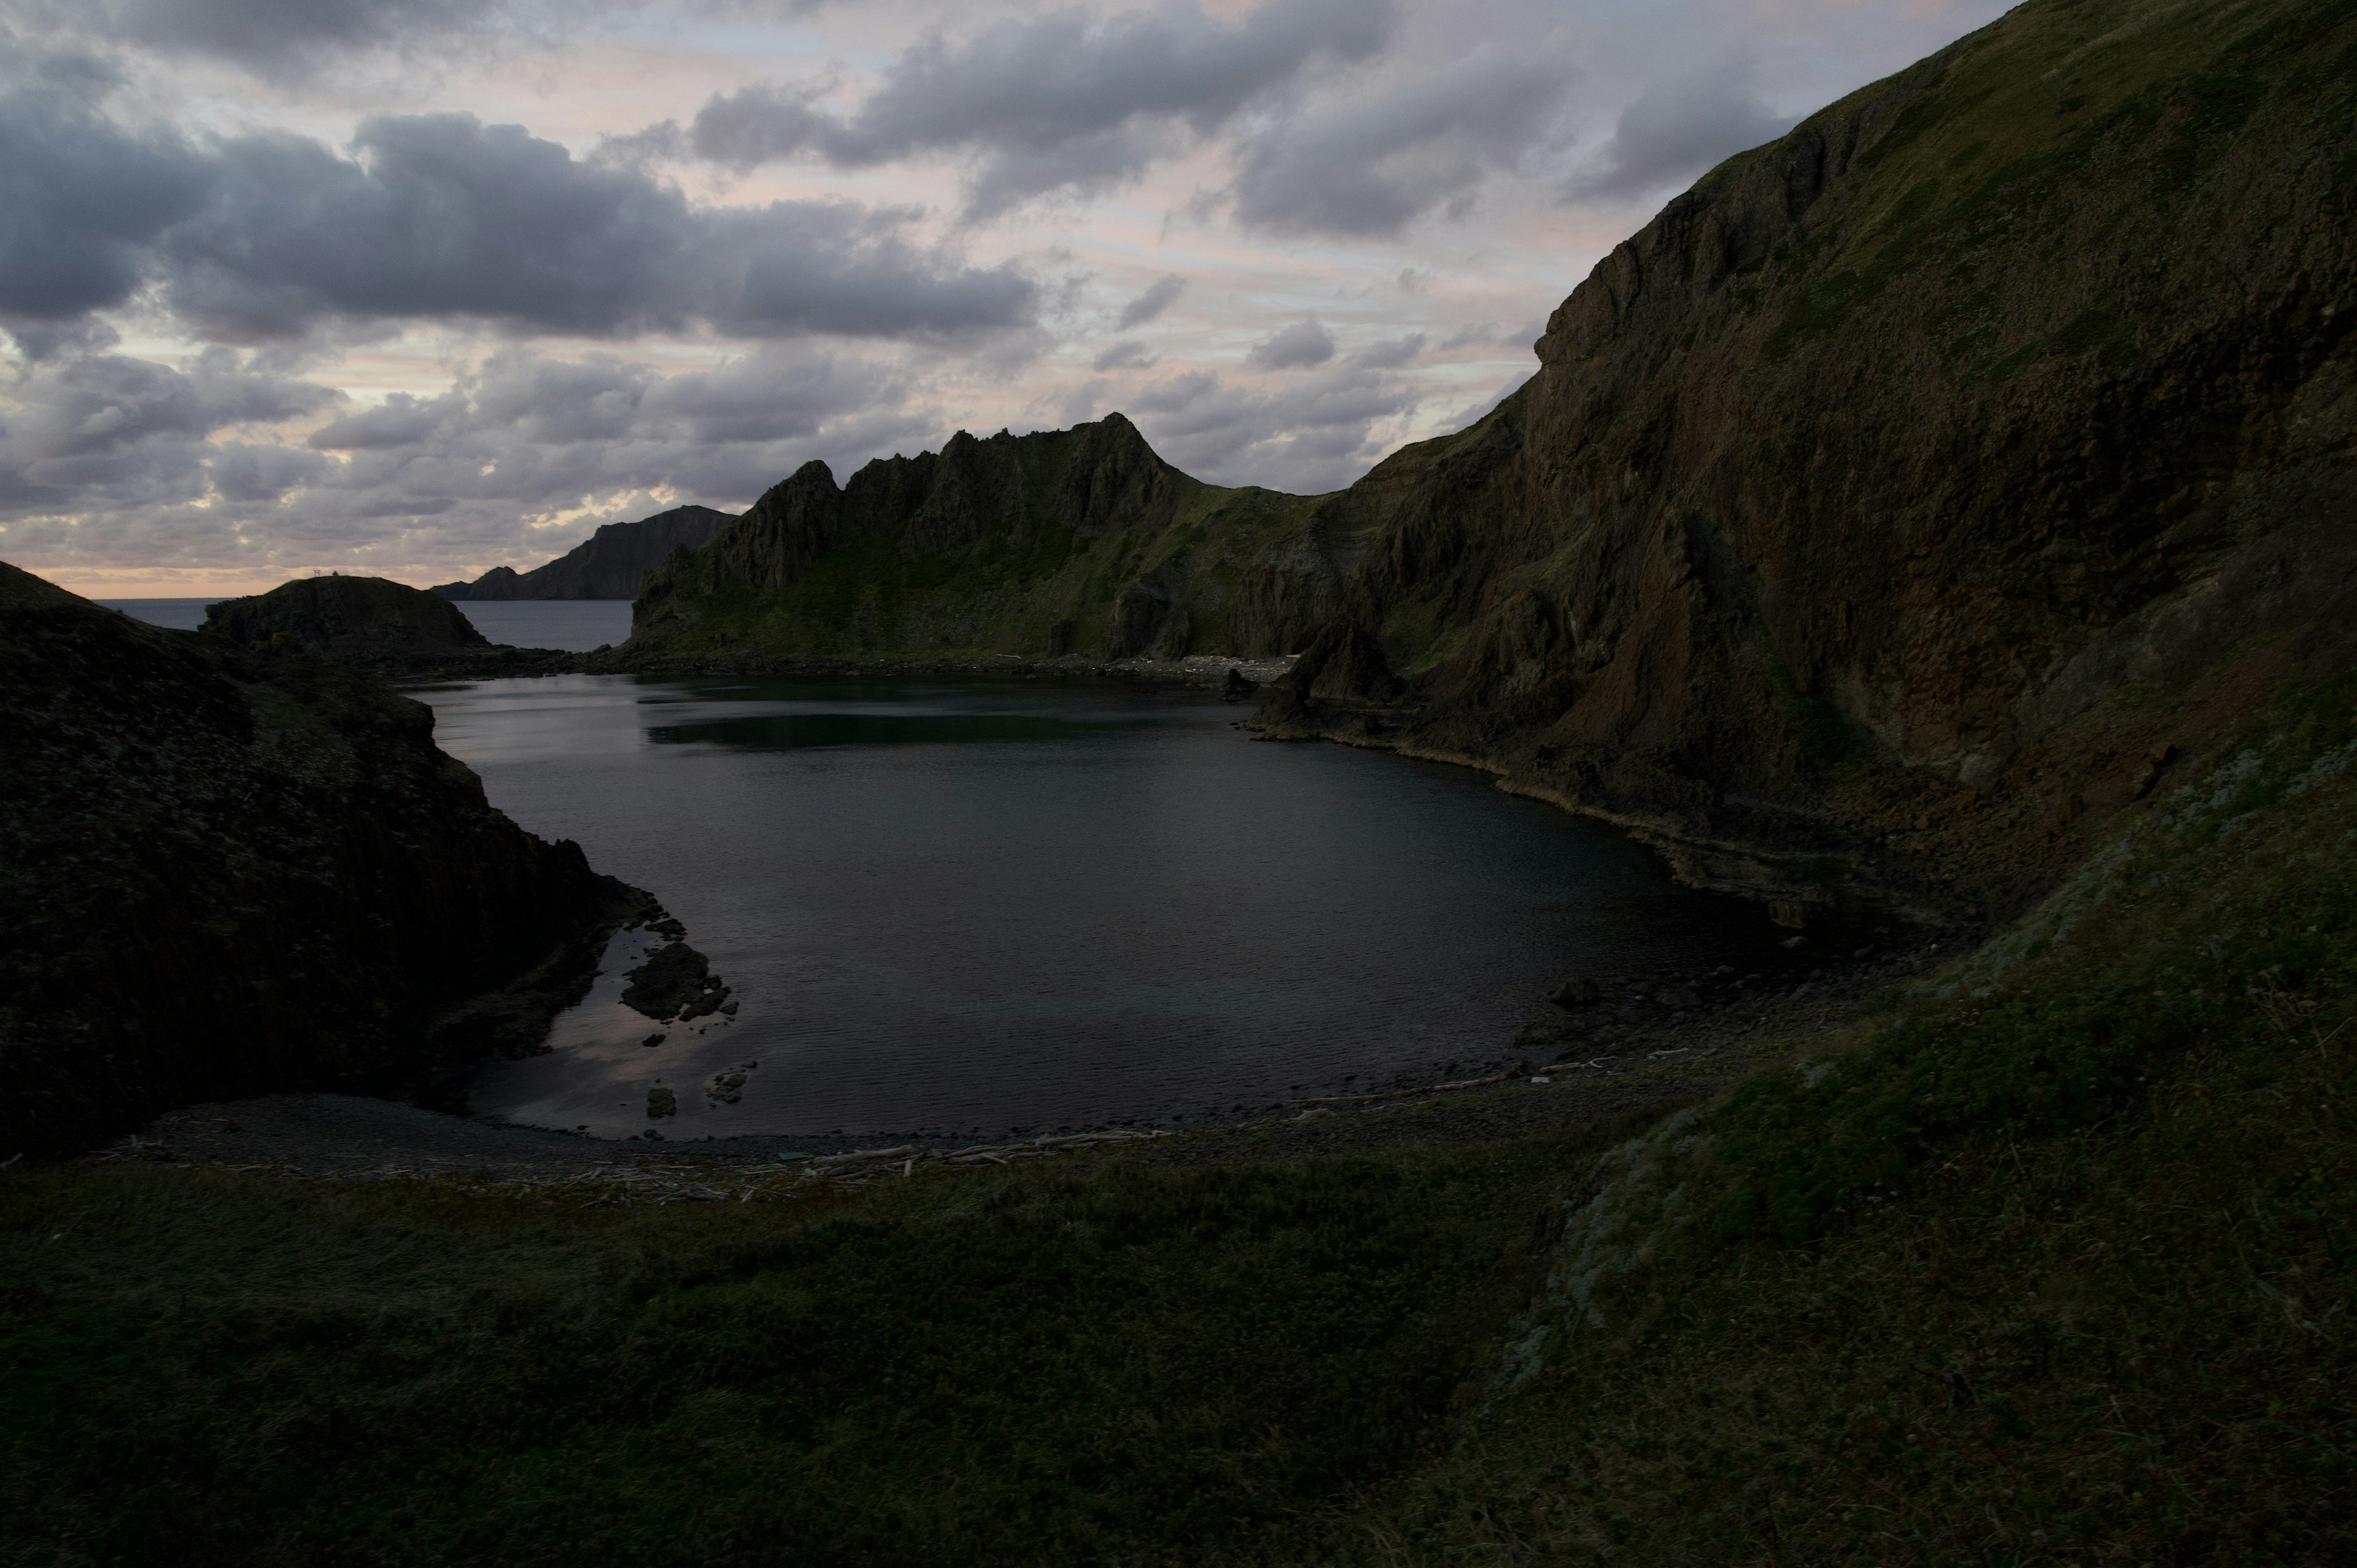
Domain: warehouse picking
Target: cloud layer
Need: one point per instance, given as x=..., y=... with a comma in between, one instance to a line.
x=130, y=462
x=432, y=217
x=1678, y=127
x=1070, y=102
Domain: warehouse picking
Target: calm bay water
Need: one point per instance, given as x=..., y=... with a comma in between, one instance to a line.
x=573, y=626
x=985, y=906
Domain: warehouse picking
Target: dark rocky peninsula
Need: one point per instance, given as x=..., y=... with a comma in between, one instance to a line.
x=232, y=872
x=354, y=620
x=606, y=565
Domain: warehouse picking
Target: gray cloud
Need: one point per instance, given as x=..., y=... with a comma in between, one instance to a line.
x=1066, y=101
x=1372, y=161
x=110, y=430
x=110, y=459
x=1390, y=355
x=1485, y=334
x=1297, y=347
x=1307, y=436
x=285, y=40
x=1129, y=355
x=80, y=198
x=1678, y=127
x=1159, y=296
x=439, y=216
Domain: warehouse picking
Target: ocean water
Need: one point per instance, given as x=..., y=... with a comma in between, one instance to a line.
x=575, y=626
x=992, y=905
x=180, y=615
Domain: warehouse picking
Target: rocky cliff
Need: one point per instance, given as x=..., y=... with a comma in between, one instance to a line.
x=230, y=873
x=1906, y=499
x=354, y=620
x=1067, y=540
x=606, y=565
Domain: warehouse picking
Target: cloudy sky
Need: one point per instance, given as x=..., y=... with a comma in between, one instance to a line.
x=417, y=287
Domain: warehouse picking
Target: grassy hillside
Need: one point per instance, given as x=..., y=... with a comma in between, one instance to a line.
x=2051, y=1263
x=2056, y=1264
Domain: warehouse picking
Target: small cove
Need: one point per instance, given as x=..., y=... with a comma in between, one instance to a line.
x=993, y=904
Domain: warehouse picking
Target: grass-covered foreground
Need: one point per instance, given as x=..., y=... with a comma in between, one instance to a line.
x=2051, y=1265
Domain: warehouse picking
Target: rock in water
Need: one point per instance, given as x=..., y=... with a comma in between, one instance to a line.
x=231, y=874
x=662, y=1101
x=674, y=981
x=1238, y=687
x=347, y=618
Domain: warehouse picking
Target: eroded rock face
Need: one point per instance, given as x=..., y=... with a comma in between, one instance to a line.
x=1886, y=506
x=350, y=619
x=234, y=872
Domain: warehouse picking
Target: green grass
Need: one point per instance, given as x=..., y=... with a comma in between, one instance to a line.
x=1032, y=1367
x=2053, y=1265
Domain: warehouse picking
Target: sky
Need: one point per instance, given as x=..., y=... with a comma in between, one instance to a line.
x=414, y=288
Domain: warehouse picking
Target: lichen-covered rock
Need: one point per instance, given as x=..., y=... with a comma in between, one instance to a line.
x=232, y=872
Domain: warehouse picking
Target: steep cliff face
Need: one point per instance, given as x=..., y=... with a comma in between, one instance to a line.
x=1079, y=540
x=355, y=619
x=230, y=872
x=606, y=565
x=1899, y=504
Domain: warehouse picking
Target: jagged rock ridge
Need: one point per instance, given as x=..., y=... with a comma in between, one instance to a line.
x=232, y=872
x=608, y=564
x=1080, y=539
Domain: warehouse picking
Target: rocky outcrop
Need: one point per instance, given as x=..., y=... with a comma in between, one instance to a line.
x=1884, y=509
x=355, y=619
x=1079, y=541
x=607, y=565
x=232, y=872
